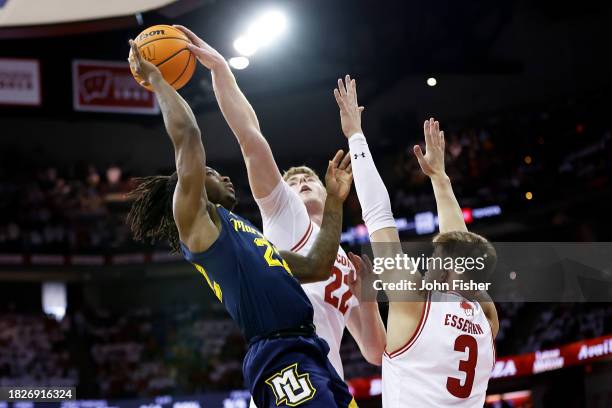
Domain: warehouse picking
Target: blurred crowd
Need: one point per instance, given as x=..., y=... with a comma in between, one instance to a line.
x=77, y=210
x=190, y=348
x=513, y=159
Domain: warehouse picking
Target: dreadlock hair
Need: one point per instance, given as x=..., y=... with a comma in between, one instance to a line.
x=150, y=218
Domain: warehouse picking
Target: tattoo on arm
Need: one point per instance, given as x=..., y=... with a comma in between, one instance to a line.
x=317, y=265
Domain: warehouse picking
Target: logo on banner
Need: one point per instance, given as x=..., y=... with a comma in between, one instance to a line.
x=103, y=86
x=290, y=387
x=19, y=82
x=503, y=368
x=548, y=360
x=597, y=350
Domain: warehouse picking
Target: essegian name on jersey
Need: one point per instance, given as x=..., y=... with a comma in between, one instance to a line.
x=462, y=324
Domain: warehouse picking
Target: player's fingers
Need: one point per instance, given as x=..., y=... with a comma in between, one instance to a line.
x=427, y=132
x=349, y=169
x=354, y=91
x=339, y=99
x=190, y=34
x=336, y=160
x=361, y=109
x=346, y=160
x=195, y=50
x=134, y=49
x=357, y=263
x=432, y=129
x=367, y=262
x=341, y=88
x=436, y=133
x=442, y=142
x=418, y=153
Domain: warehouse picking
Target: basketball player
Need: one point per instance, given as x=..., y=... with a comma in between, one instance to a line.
x=440, y=345
x=291, y=208
x=286, y=363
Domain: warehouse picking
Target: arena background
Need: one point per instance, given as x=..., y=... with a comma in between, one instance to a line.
x=522, y=89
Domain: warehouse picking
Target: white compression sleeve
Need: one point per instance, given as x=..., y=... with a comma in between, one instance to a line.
x=371, y=191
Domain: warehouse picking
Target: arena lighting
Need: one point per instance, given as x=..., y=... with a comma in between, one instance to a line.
x=239, y=62
x=528, y=195
x=432, y=81
x=245, y=46
x=528, y=159
x=261, y=32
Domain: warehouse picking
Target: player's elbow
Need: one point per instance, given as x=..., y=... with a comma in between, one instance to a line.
x=319, y=271
x=251, y=141
x=191, y=132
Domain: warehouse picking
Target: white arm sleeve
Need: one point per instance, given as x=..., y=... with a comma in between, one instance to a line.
x=371, y=191
x=285, y=220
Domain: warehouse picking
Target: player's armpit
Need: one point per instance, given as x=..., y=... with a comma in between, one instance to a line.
x=403, y=321
x=490, y=311
x=388, y=234
x=285, y=218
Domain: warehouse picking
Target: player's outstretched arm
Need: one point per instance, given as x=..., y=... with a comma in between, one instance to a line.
x=377, y=214
x=195, y=227
x=317, y=265
x=450, y=216
x=371, y=191
x=262, y=170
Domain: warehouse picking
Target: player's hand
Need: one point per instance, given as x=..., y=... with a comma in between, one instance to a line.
x=139, y=65
x=207, y=55
x=432, y=163
x=363, y=272
x=339, y=176
x=350, y=111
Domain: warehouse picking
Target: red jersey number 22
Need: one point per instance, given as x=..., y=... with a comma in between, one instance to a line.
x=335, y=301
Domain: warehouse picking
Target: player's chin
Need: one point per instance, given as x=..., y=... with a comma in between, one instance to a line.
x=230, y=199
x=309, y=197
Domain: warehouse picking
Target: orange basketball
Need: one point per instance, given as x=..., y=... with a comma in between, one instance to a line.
x=166, y=47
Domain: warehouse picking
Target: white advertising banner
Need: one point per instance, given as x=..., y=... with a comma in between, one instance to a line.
x=14, y=13
x=19, y=82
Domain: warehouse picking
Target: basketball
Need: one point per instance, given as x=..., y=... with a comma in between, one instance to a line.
x=166, y=47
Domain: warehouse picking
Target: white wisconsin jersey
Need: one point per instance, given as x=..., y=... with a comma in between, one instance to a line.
x=448, y=360
x=287, y=225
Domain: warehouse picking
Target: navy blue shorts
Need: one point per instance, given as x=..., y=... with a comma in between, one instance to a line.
x=294, y=371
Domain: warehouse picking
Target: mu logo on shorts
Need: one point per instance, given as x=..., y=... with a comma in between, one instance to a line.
x=290, y=387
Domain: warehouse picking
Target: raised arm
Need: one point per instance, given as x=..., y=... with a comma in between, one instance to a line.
x=195, y=226
x=450, y=216
x=378, y=217
x=317, y=265
x=262, y=170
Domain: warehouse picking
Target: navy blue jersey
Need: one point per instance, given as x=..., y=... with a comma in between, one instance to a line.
x=248, y=275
